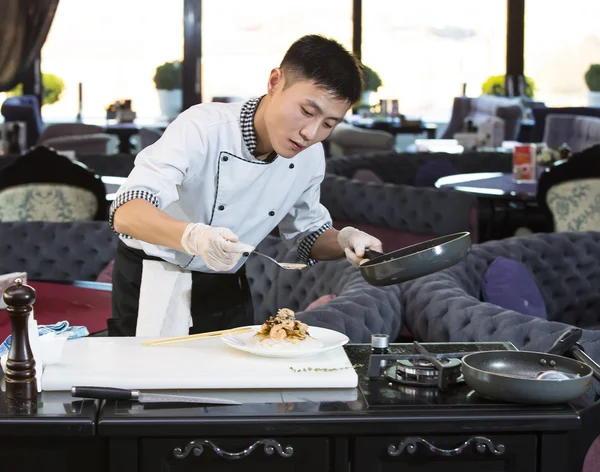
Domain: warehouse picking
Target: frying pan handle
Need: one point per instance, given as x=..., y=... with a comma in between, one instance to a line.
x=566, y=341
x=579, y=354
x=370, y=254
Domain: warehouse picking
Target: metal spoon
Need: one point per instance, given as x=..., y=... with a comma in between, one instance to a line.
x=282, y=265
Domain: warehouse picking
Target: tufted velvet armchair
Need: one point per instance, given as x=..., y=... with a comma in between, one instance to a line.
x=447, y=306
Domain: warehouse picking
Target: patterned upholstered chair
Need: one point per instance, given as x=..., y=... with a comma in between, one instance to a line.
x=45, y=186
x=569, y=193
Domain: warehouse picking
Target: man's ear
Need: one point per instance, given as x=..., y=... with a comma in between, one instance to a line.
x=275, y=80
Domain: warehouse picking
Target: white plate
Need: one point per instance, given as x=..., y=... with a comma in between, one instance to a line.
x=323, y=340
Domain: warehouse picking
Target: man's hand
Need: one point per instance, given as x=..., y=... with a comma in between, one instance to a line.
x=219, y=248
x=354, y=242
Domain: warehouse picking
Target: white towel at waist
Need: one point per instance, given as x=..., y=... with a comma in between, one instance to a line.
x=165, y=300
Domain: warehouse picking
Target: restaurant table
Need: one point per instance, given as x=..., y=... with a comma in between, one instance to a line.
x=491, y=185
x=504, y=196
x=80, y=303
x=124, y=131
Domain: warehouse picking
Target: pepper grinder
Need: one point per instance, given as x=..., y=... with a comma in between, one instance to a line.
x=21, y=384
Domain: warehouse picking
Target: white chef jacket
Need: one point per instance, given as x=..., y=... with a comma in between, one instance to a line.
x=202, y=170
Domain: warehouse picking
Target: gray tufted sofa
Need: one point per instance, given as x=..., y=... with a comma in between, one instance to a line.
x=56, y=251
x=81, y=250
x=399, y=215
x=402, y=168
x=447, y=307
x=358, y=310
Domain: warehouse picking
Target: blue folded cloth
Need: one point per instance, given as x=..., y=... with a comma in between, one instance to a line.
x=57, y=328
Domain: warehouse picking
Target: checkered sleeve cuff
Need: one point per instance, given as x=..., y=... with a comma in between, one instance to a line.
x=305, y=247
x=124, y=198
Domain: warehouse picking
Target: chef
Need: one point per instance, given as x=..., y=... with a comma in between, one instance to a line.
x=218, y=181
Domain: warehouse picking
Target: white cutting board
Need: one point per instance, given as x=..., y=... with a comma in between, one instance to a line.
x=123, y=362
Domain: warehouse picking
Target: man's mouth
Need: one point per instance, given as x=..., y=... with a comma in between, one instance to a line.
x=297, y=146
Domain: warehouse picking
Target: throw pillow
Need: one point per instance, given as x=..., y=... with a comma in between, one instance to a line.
x=510, y=285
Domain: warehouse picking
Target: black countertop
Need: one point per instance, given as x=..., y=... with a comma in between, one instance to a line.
x=342, y=411
x=286, y=412
x=54, y=414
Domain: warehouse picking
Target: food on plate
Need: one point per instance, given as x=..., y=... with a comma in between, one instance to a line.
x=284, y=326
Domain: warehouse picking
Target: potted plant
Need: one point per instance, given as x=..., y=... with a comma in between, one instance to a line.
x=592, y=79
x=53, y=88
x=495, y=85
x=168, y=84
x=372, y=84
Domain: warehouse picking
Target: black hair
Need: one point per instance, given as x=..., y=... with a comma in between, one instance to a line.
x=328, y=64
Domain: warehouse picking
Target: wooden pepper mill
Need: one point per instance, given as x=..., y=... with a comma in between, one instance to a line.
x=21, y=384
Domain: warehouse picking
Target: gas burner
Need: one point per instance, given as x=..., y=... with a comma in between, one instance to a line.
x=422, y=372
x=419, y=368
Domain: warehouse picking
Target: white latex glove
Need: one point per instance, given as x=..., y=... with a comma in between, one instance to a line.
x=354, y=241
x=219, y=248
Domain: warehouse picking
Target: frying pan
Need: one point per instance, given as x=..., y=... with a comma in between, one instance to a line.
x=514, y=376
x=415, y=261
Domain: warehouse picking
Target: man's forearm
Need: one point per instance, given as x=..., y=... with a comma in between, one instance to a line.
x=326, y=247
x=143, y=221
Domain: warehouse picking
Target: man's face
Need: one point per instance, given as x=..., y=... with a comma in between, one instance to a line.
x=300, y=114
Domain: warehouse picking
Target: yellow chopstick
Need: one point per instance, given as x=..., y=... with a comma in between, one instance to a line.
x=193, y=337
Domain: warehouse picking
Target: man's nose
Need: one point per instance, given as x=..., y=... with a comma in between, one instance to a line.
x=309, y=132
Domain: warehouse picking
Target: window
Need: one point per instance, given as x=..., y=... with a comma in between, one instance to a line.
x=561, y=41
x=424, y=51
x=243, y=41
x=113, y=47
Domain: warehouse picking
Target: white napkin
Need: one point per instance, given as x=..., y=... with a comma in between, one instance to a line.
x=6, y=280
x=165, y=298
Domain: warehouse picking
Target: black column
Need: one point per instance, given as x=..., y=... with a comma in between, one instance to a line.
x=192, y=53
x=357, y=27
x=515, y=42
x=32, y=80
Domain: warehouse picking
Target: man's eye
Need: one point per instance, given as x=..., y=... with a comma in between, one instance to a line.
x=327, y=125
x=305, y=112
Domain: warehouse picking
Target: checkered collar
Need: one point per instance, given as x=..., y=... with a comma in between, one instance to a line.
x=247, y=123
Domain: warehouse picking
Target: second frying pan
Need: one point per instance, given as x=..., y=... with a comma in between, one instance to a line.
x=415, y=261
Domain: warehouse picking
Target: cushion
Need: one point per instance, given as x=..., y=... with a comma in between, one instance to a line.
x=320, y=302
x=509, y=285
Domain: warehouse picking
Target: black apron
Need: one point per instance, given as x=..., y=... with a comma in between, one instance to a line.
x=219, y=301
